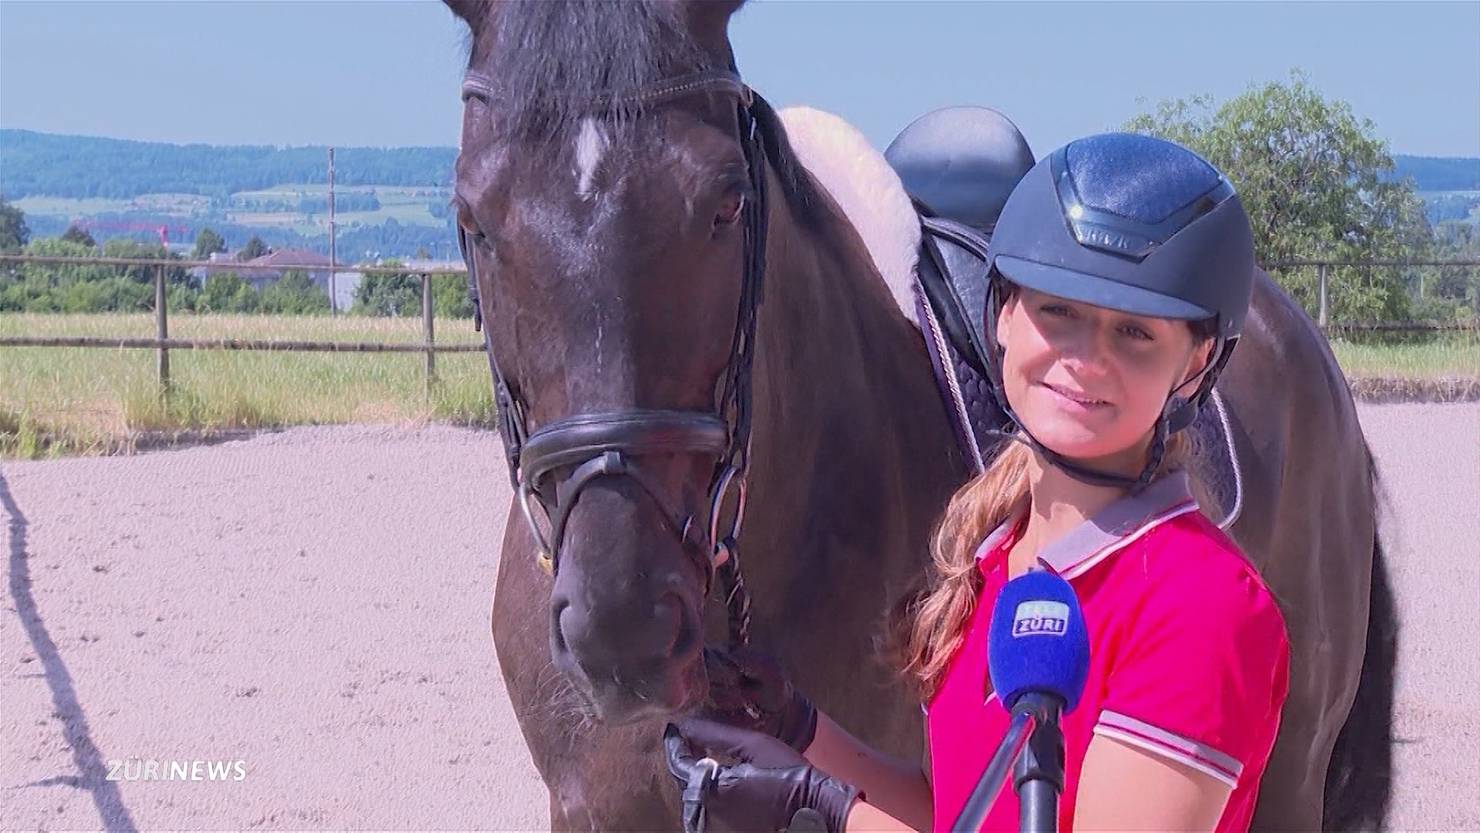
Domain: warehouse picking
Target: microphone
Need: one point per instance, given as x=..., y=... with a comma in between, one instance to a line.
x=1038, y=661
x=1037, y=643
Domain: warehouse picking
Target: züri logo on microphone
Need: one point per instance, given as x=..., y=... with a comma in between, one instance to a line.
x=1040, y=618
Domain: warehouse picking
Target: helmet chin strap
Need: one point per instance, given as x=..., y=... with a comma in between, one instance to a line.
x=1177, y=414
x=1096, y=477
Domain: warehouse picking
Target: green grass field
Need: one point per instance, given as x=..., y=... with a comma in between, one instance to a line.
x=1454, y=355
x=58, y=401
x=69, y=207
x=405, y=204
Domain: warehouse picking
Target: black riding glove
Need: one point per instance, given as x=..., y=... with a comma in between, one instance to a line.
x=748, y=689
x=765, y=788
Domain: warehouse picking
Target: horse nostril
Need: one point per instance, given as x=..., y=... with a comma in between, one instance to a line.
x=683, y=634
x=557, y=629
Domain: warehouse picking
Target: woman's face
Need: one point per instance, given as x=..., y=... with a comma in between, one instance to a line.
x=1090, y=382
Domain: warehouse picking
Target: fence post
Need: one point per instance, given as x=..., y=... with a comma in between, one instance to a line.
x=1321, y=317
x=162, y=331
x=426, y=322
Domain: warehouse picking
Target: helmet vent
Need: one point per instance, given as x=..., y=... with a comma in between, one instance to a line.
x=1167, y=179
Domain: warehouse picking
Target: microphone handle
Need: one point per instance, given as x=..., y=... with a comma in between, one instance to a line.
x=994, y=777
x=1039, y=774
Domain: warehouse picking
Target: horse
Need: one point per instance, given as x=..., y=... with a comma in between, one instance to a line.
x=686, y=331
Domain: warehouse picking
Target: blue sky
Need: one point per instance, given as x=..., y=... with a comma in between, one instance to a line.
x=386, y=73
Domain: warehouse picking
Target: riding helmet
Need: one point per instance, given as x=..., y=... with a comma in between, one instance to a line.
x=1131, y=223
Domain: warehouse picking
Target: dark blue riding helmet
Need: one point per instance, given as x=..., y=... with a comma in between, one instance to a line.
x=1131, y=223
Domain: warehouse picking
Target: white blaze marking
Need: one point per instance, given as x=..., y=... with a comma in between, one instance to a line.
x=590, y=145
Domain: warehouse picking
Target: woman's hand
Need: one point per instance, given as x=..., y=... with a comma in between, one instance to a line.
x=764, y=789
x=748, y=689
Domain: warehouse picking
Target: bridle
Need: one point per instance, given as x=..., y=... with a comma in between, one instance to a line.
x=610, y=443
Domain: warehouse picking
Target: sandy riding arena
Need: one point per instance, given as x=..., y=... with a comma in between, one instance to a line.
x=291, y=632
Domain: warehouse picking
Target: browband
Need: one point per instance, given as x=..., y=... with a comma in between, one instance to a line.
x=480, y=85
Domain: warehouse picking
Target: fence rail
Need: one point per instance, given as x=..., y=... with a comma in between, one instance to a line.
x=1324, y=267
x=162, y=343
x=224, y=265
x=1403, y=327
x=237, y=344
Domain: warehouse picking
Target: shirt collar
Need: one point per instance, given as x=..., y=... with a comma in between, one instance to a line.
x=1110, y=530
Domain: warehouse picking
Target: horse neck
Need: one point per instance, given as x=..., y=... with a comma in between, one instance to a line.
x=844, y=399
x=829, y=321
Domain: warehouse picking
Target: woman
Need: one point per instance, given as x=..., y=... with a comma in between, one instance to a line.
x=1121, y=267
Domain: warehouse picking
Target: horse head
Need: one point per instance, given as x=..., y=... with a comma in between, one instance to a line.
x=608, y=195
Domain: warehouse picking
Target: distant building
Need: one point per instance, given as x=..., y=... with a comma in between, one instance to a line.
x=418, y=265
x=228, y=263
x=266, y=270
x=345, y=286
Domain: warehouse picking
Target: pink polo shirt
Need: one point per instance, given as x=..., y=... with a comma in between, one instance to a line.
x=1189, y=657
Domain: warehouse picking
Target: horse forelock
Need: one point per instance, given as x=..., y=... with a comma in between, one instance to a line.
x=547, y=60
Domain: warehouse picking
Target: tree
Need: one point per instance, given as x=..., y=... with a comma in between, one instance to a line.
x=1451, y=292
x=294, y=294
x=1312, y=177
x=255, y=248
x=227, y=292
x=388, y=294
x=127, y=247
x=207, y=243
x=63, y=274
x=79, y=235
x=13, y=231
x=72, y=287
x=450, y=296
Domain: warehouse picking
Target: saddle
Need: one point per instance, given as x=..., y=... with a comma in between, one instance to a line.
x=958, y=165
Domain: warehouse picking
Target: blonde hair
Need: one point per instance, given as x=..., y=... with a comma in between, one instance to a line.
x=929, y=626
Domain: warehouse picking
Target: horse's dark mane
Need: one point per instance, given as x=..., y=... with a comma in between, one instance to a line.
x=548, y=60
x=796, y=183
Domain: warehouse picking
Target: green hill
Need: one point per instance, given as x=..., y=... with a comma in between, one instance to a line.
x=391, y=201
x=1439, y=173
x=80, y=167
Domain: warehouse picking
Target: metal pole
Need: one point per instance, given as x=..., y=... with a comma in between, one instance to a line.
x=333, y=298
x=426, y=322
x=162, y=331
x=1321, y=318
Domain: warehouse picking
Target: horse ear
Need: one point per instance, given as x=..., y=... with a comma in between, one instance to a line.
x=471, y=12
x=709, y=21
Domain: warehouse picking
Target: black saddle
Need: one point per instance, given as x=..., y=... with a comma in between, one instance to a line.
x=958, y=165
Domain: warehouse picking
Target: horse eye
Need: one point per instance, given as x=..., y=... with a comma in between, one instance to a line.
x=476, y=238
x=729, y=208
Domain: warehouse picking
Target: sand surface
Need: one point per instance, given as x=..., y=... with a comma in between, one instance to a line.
x=308, y=611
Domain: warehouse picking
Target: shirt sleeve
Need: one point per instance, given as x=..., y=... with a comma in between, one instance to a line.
x=1201, y=674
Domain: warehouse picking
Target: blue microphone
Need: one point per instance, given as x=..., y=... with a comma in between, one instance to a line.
x=1037, y=643
x=1038, y=661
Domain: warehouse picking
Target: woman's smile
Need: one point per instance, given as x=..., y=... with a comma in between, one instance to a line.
x=1074, y=401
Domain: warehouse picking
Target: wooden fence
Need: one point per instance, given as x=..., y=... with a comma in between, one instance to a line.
x=163, y=344
x=1323, y=268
